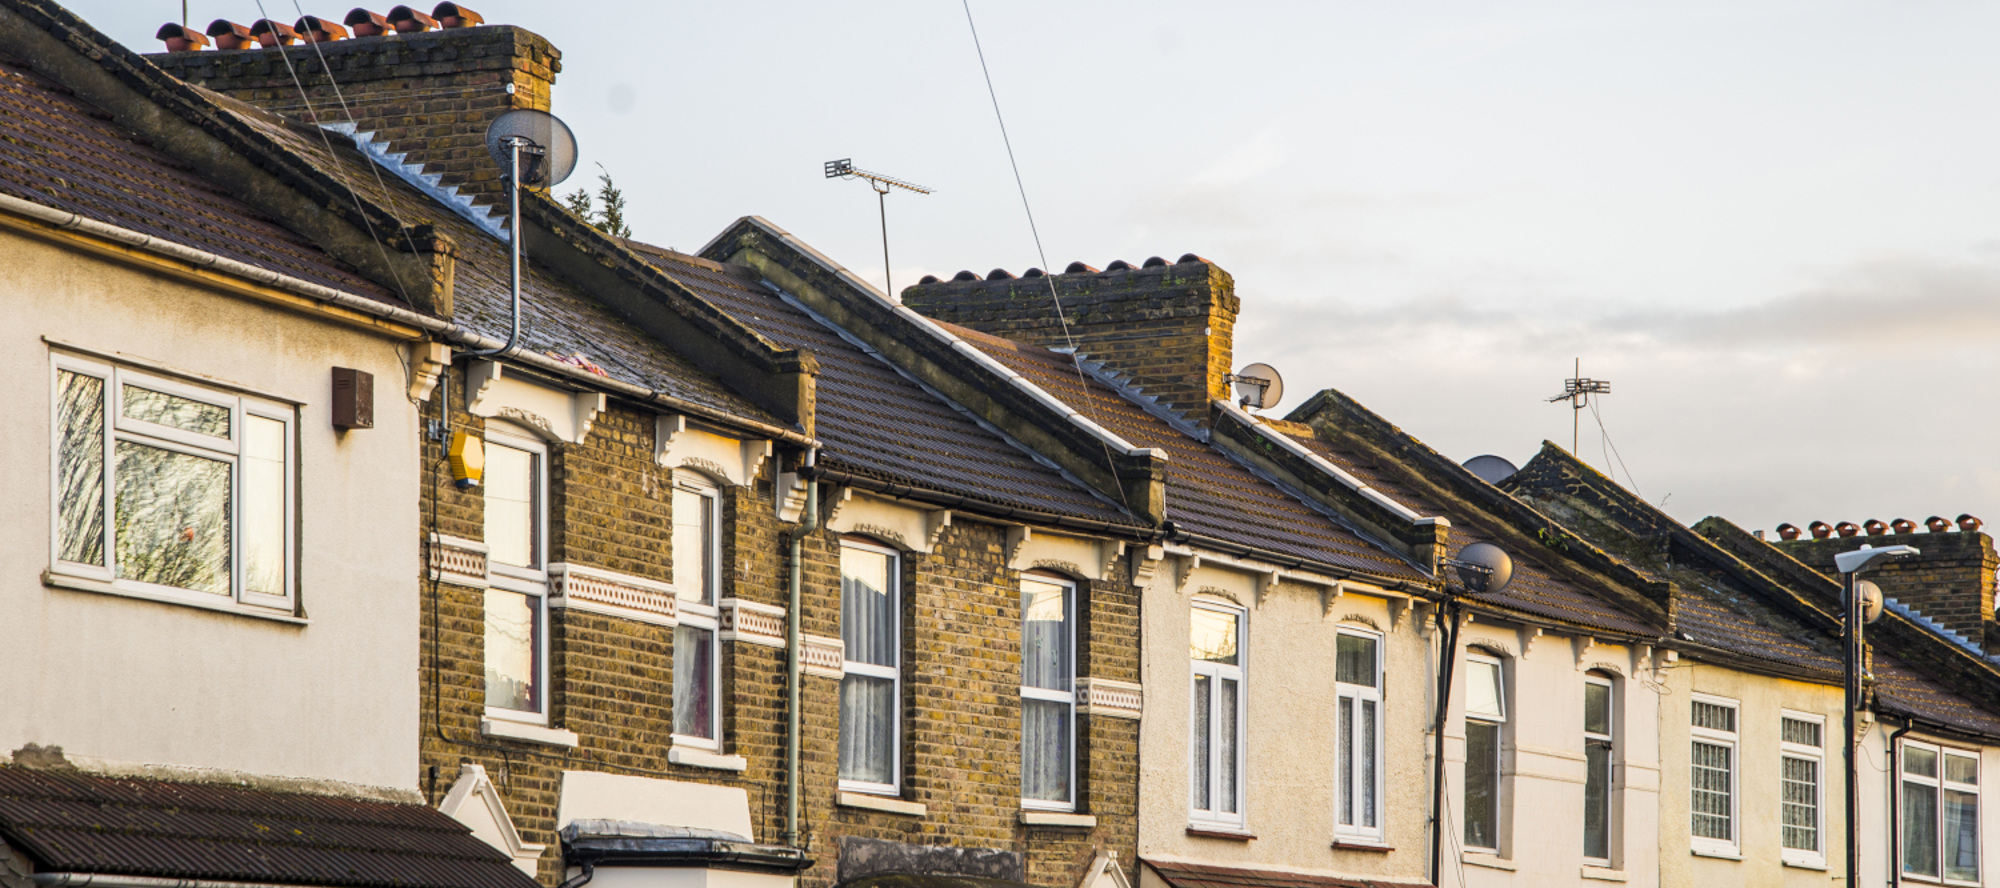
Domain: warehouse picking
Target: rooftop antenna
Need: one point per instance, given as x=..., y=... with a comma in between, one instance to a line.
x=537, y=151
x=844, y=169
x=1577, y=391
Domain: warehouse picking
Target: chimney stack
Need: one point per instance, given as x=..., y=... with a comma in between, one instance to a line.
x=427, y=93
x=1166, y=328
x=1952, y=582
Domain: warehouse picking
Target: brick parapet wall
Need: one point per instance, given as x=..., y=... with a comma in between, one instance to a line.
x=1169, y=328
x=430, y=95
x=1952, y=582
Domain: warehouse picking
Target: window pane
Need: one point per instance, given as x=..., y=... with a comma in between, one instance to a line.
x=264, y=525
x=1203, y=710
x=174, y=411
x=1354, y=660
x=1213, y=636
x=1801, y=732
x=1961, y=769
x=1228, y=736
x=1045, y=635
x=1482, y=690
x=172, y=518
x=1045, y=750
x=1920, y=834
x=513, y=651
x=1801, y=803
x=1919, y=761
x=1714, y=717
x=1366, y=742
x=867, y=729
x=1961, y=835
x=80, y=468
x=1346, y=764
x=1597, y=800
x=868, y=606
x=510, y=506
x=693, y=541
x=1711, y=776
x=1482, y=784
x=694, y=682
x=1596, y=709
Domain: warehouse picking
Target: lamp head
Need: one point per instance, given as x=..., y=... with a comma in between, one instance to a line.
x=1861, y=559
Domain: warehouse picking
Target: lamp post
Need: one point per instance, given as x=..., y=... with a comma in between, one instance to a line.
x=1852, y=618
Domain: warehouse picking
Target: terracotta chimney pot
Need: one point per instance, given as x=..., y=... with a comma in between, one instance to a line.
x=1033, y=273
x=452, y=15
x=1936, y=524
x=367, y=24
x=999, y=274
x=1079, y=268
x=1846, y=529
x=928, y=279
x=1788, y=532
x=272, y=34
x=313, y=29
x=1118, y=265
x=180, y=38
x=965, y=275
x=1874, y=527
x=1904, y=525
x=409, y=21
x=1820, y=530
x=1968, y=524
x=230, y=35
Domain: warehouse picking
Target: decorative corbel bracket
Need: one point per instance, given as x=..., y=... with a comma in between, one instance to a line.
x=1642, y=655
x=1146, y=565
x=428, y=361
x=907, y=527
x=678, y=444
x=1329, y=595
x=790, y=497
x=558, y=415
x=1184, y=572
x=1582, y=644
x=1529, y=635
x=1266, y=582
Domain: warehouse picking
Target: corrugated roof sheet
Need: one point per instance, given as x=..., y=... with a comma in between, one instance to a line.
x=1198, y=875
x=877, y=422
x=72, y=822
x=1207, y=492
x=62, y=152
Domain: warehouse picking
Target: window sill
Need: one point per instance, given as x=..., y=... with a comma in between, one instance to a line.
x=702, y=758
x=1489, y=861
x=55, y=580
x=507, y=730
x=1603, y=874
x=1058, y=818
x=1219, y=831
x=1805, y=864
x=1358, y=844
x=1717, y=853
x=884, y=804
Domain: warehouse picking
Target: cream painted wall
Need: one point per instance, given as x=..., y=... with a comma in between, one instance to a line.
x=133, y=681
x=1877, y=772
x=1760, y=700
x=1290, y=727
x=1542, y=763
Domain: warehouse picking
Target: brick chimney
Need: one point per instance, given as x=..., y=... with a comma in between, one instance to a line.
x=1952, y=582
x=1165, y=328
x=430, y=94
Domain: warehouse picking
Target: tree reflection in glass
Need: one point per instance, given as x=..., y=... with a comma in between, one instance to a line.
x=172, y=518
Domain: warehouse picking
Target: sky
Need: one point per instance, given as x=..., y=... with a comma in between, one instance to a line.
x=1774, y=227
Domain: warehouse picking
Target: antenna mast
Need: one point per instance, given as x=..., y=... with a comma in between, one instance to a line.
x=844, y=169
x=1577, y=391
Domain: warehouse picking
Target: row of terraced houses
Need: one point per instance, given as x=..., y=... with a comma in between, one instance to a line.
x=734, y=571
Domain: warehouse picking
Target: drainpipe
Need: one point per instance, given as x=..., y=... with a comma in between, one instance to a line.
x=1447, y=659
x=793, y=667
x=1896, y=805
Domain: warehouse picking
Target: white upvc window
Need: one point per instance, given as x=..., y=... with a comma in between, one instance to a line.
x=169, y=490
x=1940, y=813
x=1712, y=774
x=1216, y=657
x=517, y=613
x=1802, y=784
x=1358, y=729
x=697, y=547
x=1599, y=748
x=1485, y=722
x=871, y=688
x=1048, y=692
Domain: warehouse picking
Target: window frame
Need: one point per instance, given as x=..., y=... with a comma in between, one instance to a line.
x=1217, y=672
x=1071, y=600
x=1499, y=723
x=697, y=614
x=1816, y=755
x=893, y=673
x=1359, y=694
x=1732, y=741
x=530, y=581
x=1942, y=784
x=113, y=378
x=1609, y=738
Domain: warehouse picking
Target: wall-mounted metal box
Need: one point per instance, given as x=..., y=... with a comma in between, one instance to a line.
x=353, y=399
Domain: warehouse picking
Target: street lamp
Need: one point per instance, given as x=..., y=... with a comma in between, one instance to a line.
x=1853, y=615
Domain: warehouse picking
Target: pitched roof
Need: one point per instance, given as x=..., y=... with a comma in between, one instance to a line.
x=878, y=422
x=1208, y=492
x=72, y=822
x=1178, y=874
x=60, y=151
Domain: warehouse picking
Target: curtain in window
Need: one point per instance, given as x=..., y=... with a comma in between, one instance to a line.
x=867, y=729
x=1710, y=772
x=1226, y=733
x=1045, y=750
x=1800, y=803
x=694, y=682
x=1482, y=784
x=1046, y=729
x=867, y=607
x=868, y=621
x=1045, y=636
x=1920, y=828
x=510, y=506
x=1203, y=709
x=512, y=633
x=1346, y=761
x=1961, y=835
x=1365, y=738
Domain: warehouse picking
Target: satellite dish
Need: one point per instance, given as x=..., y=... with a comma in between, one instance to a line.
x=1871, y=600
x=1484, y=568
x=1490, y=469
x=1258, y=386
x=548, y=151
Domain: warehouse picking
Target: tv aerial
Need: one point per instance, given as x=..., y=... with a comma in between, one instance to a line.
x=537, y=151
x=1258, y=386
x=1577, y=391
x=845, y=169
